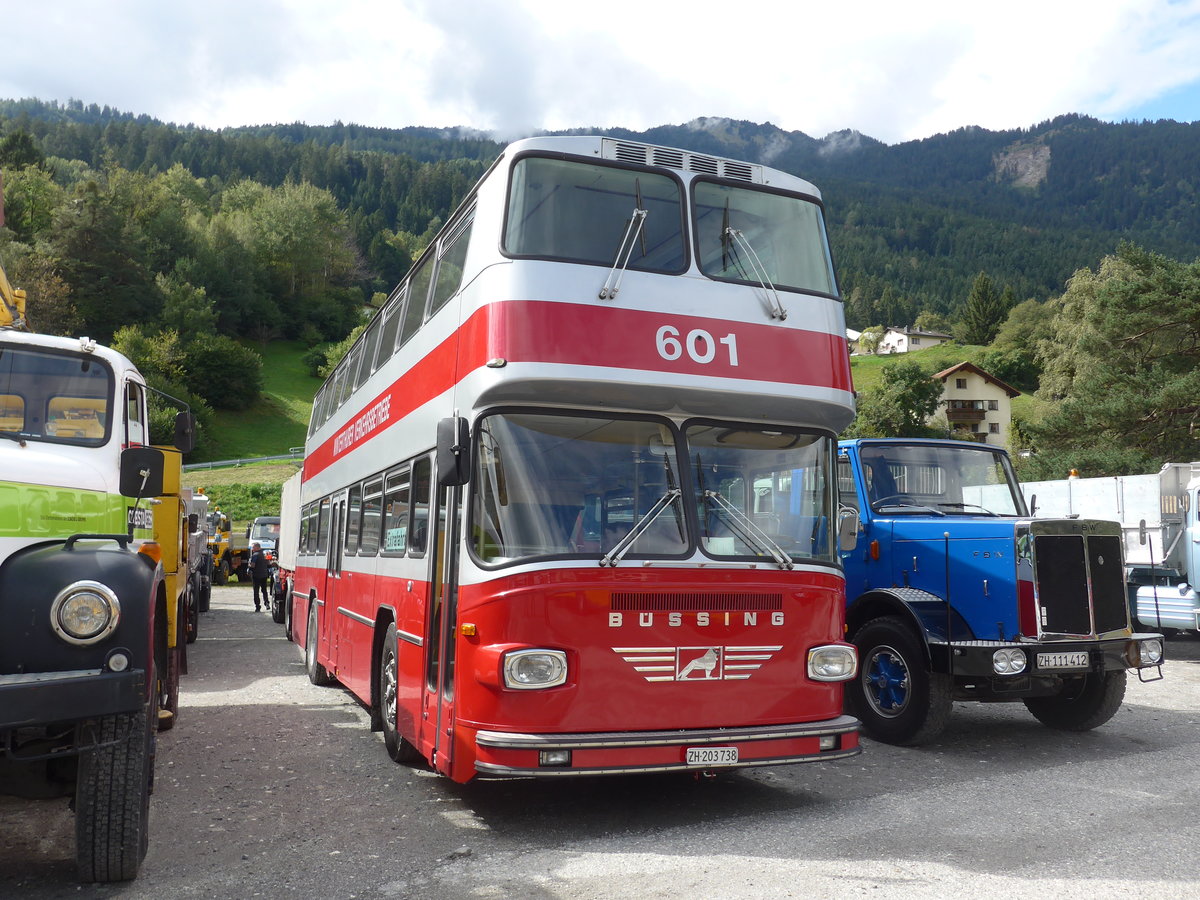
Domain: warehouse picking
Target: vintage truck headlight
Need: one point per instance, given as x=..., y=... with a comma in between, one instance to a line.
x=834, y=662
x=1150, y=653
x=85, y=612
x=531, y=669
x=1009, y=661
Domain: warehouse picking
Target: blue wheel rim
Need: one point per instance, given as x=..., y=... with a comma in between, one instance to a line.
x=886, y=682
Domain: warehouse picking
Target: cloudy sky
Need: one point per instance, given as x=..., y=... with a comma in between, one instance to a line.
x=894, y=71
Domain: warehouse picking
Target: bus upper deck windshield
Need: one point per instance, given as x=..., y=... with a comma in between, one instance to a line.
x=584, y=212
x=54, y=397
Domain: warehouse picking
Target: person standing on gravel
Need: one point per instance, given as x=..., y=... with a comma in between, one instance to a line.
x=260, y=574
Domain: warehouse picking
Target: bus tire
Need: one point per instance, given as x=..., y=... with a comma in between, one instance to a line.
x=1082, y=704
x=317, y=673
x=895, y=696
x=399, y=749
x=112, y=798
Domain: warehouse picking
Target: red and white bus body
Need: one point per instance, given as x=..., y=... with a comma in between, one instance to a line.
x=538, y=628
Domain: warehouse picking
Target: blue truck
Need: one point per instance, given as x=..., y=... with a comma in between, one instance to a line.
x=955, y=592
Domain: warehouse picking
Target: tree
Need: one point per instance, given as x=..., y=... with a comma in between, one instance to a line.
x=983, y=313
x=1121, y=373
x=18, y=150
x=899, y=406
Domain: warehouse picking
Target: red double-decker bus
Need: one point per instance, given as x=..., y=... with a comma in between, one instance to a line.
x=568, y=505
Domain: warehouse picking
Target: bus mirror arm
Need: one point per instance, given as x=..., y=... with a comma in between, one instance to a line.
x=453, y=444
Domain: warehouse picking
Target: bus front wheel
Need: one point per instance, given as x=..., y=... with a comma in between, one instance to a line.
x=398, y=748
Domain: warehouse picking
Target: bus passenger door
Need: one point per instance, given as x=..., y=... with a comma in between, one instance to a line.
x=335, y=647
x=437, y=719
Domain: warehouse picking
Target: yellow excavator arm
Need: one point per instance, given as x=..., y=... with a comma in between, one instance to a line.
x=12, y=311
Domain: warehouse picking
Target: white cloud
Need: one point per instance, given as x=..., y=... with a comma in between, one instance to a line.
x=892, y=71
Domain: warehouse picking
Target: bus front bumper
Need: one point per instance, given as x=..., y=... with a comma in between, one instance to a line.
x=502, y=754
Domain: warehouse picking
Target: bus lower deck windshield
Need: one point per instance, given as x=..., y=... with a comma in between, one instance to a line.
x=558, y=485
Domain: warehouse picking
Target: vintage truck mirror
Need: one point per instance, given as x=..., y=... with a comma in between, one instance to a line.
x=453, y=444
x=141, y=472
x=185, y=432
x=848, y=525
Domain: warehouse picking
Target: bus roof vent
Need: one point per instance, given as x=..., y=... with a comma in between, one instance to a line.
x=664, y=156
x=647, y=154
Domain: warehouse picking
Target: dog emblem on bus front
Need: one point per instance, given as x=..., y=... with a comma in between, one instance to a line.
x=698, y=667
x=697, y=663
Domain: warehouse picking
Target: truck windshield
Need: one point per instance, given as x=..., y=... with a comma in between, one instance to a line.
x=553, y=485
x=54, y=397
x=916, y=479
x=762, y=492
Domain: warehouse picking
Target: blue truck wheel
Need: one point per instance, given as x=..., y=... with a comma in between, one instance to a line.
x=895, y=696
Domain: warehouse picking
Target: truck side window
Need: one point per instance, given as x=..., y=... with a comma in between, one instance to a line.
x=135, y=416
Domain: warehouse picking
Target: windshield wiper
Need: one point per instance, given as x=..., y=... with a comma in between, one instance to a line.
x=751, y=534
x=13, y=436
x=633, y=231
x=951, y=505
x=759, y=272
x=886, y=503
x=622, y=546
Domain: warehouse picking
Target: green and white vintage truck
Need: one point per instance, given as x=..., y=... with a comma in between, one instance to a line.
x=98, y=588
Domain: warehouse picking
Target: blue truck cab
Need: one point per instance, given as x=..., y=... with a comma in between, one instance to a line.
x=955, y=592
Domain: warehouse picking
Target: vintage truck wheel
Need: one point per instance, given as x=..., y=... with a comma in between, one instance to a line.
x=1083, y=704
x=897, y=698
x=112, y=798
x=221, y=573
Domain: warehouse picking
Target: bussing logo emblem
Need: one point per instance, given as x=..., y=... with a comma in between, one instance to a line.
x=696, y=663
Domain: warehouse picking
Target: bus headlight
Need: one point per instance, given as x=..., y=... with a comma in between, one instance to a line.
x=834, y=662
x=1009, y=661
x=85, y=612
x=532, y=669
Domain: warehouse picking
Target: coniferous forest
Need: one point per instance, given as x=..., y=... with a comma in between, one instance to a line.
x=178, y=243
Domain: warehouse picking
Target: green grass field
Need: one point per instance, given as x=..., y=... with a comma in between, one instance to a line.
x=280, y=420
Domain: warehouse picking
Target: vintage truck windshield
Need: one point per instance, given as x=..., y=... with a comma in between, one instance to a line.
x=749, y=235
x=918, y=479
x=54, y=397
x=579, y=212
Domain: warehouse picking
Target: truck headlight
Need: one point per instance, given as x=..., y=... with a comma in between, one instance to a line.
x=85, y=612
x=1150, y=653
x=532, y=669
x=1009, y=661
x=834, y=662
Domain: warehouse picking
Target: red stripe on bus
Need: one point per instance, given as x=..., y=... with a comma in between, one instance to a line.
x=574, y=334
x=597, y=336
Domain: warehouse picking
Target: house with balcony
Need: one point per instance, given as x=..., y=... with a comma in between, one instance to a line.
x=977, y=406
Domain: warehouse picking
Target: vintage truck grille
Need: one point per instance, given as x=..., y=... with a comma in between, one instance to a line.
x=1080, y=583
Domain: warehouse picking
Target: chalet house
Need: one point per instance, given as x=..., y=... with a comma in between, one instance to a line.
x=905, y=340
x=978, y=406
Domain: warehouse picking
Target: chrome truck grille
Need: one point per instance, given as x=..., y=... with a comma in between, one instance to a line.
x=1078, y=578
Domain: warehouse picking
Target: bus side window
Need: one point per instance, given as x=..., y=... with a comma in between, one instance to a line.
x=353, y=519
x=418, y=535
